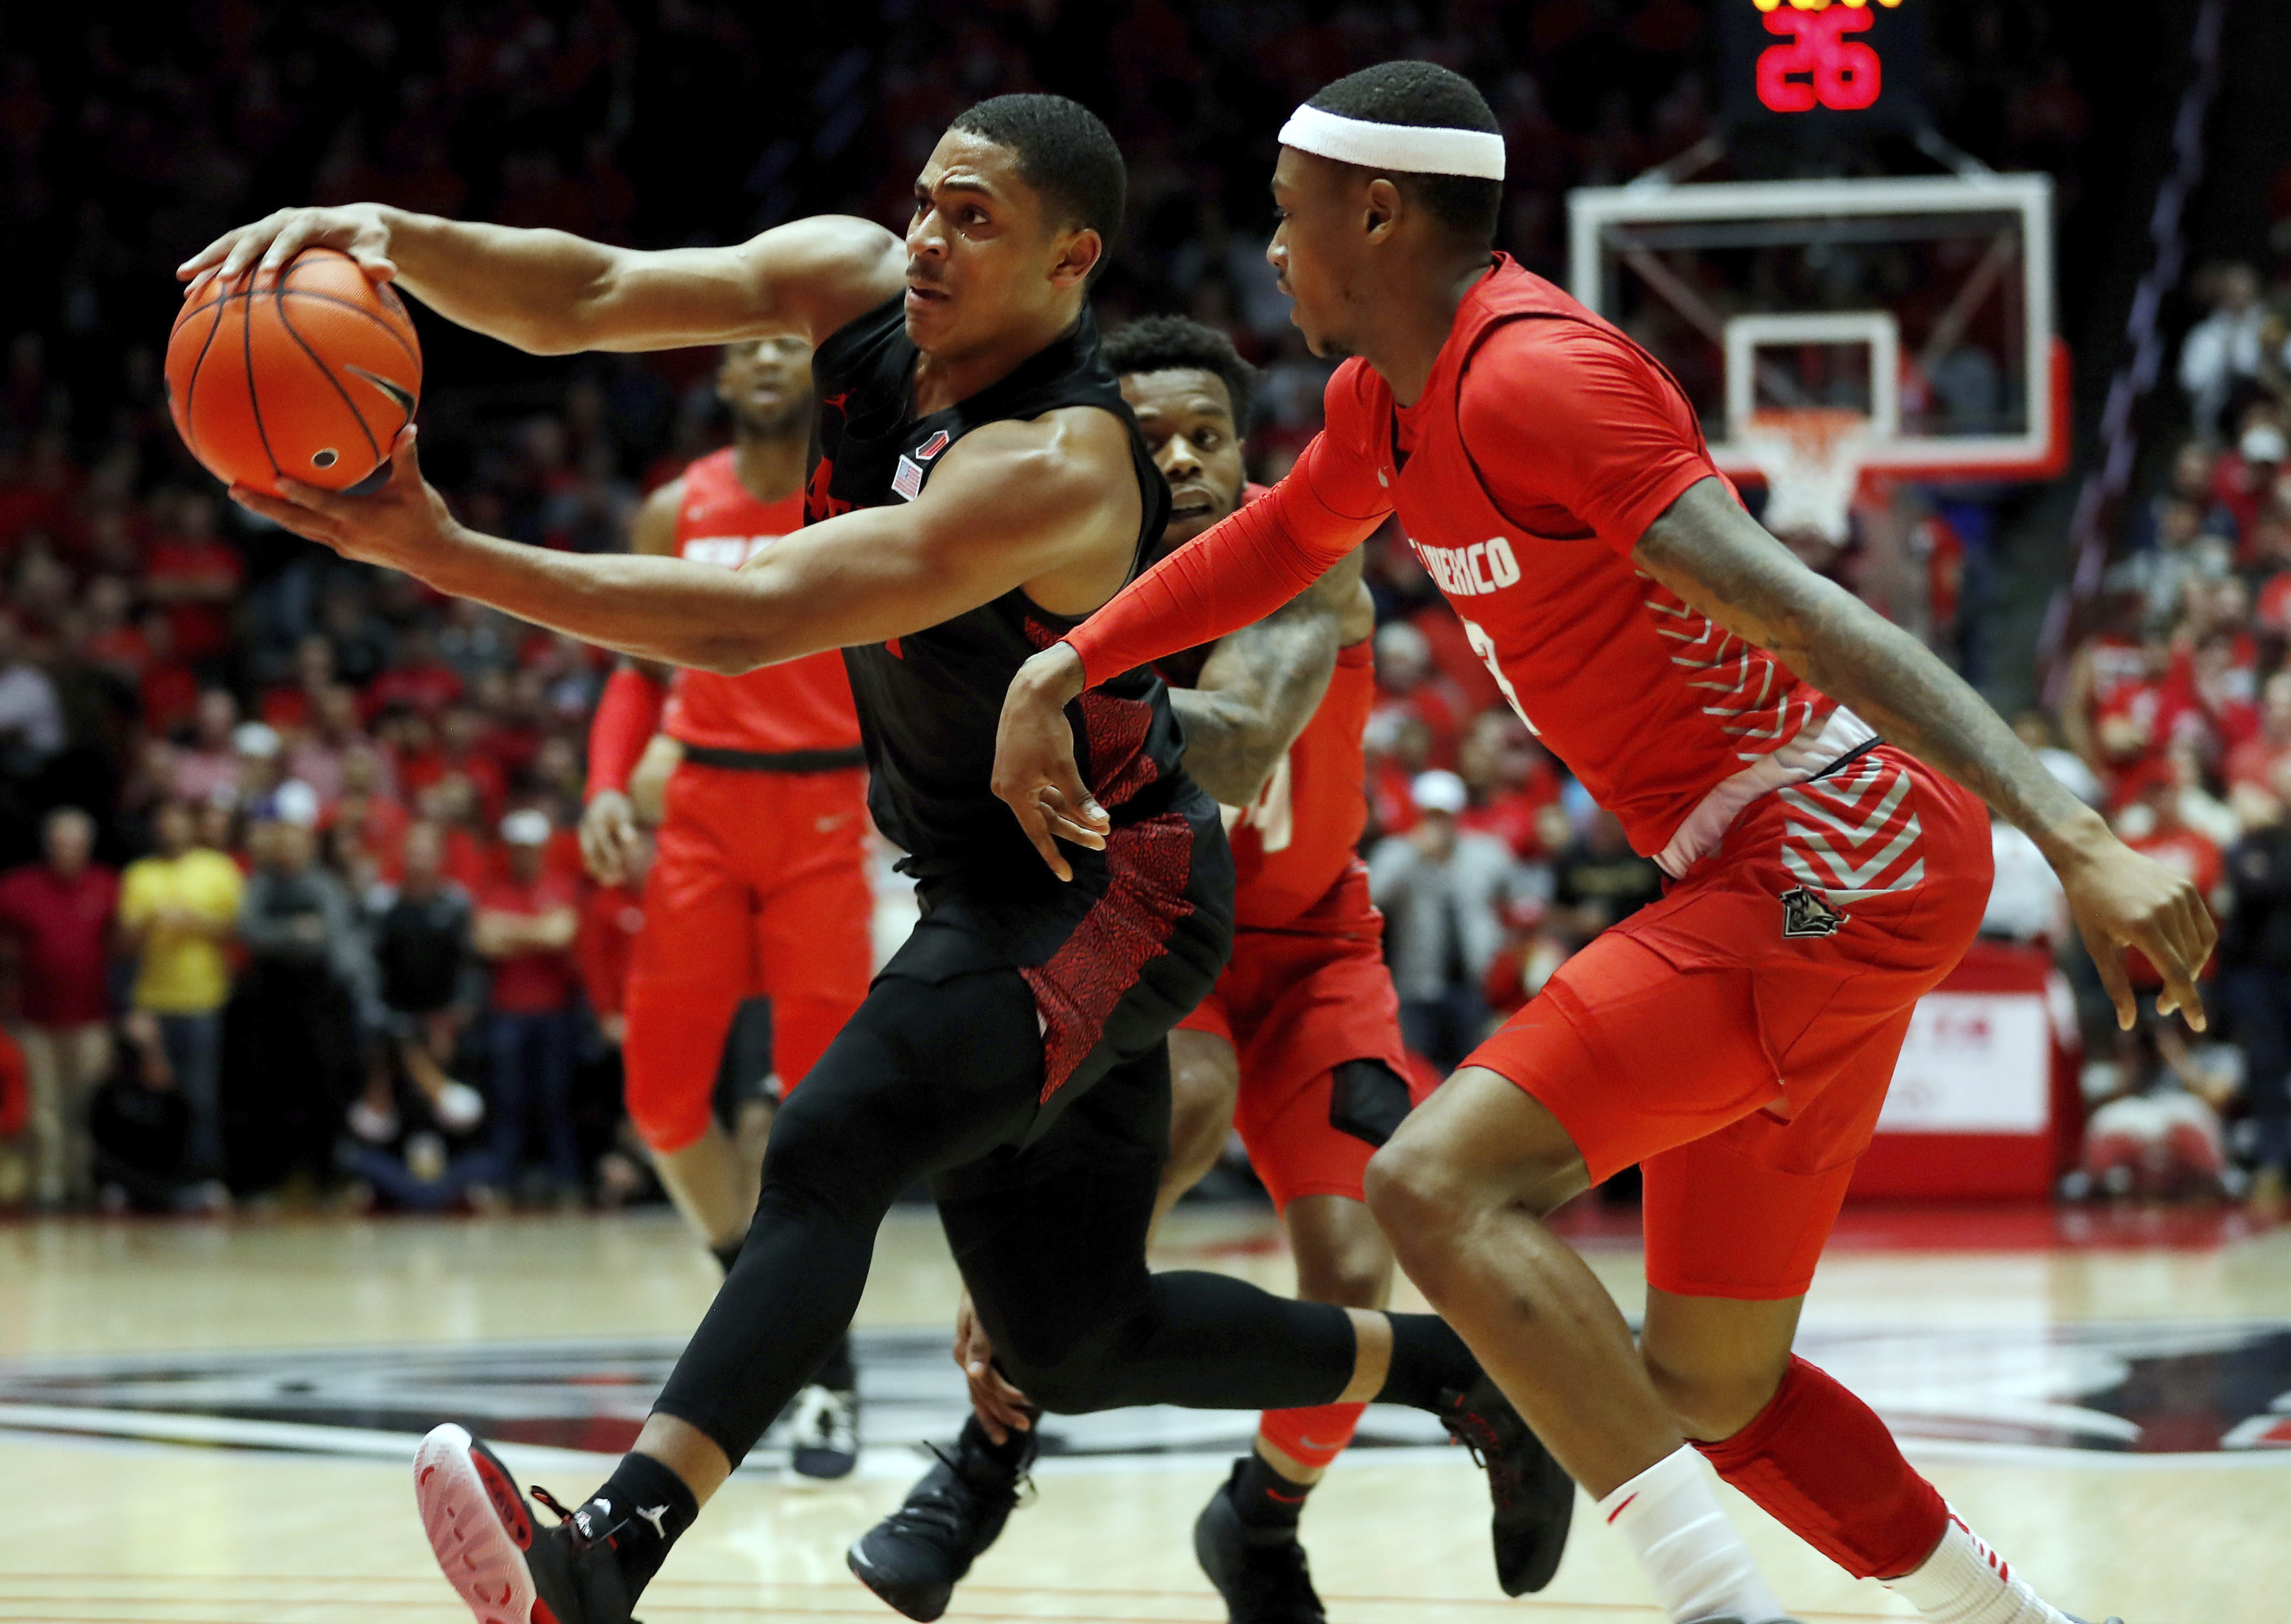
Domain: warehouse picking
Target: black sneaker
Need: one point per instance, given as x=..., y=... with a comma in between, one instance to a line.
x=508, y=1572
x=824, y=1432
x=913, y=1558
x=1534, y=1497
x=1261, y=1572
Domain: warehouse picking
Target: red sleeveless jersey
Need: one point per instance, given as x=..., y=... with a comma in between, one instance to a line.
x=802, y=704
x=1670, y=721
x=1299, y=838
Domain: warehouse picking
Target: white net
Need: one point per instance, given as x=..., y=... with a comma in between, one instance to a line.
x=1811, y=458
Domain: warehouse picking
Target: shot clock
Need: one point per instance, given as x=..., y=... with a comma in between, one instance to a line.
x=1828, y=66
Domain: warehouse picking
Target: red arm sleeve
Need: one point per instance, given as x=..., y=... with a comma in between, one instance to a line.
x=1241, y=568
x=1557, y=414
x=628, y=714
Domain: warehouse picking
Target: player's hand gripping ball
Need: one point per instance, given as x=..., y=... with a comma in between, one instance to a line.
x=307, y=374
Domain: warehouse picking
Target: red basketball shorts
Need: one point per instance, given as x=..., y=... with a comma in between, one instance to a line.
x=1296, y=1003
x=759, y=888
x=1736, y=1039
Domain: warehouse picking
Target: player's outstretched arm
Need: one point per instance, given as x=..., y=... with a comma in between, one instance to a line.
x=553, y=293
x=1261, y=684
x=1714, y=555
x=1046, y=504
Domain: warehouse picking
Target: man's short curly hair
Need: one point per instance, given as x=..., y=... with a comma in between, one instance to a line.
x=1157, y=343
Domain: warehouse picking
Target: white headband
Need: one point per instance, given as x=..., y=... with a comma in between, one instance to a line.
x=1416, y=150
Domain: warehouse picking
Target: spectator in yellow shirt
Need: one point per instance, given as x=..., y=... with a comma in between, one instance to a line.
x=178, y=910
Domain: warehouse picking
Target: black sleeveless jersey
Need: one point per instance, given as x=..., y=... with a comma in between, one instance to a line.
x=928, y=702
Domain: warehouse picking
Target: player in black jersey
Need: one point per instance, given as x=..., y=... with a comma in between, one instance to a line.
x=980, y=488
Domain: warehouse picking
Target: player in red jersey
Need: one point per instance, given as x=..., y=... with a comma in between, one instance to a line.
x=1735, y=1038
x=760, y=885
x=1298, y=1044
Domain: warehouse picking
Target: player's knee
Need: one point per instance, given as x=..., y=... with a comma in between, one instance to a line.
x=1710, y=1402
x=819, y=1158
x=1414, y=1191
x=1069, y=1369
x=1342, y=1257
x=1358, y=1276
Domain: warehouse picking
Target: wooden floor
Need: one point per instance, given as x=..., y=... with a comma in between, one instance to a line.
x=211, y=1425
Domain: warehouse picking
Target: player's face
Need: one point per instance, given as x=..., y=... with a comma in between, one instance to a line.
x=767, y=382
x=1186, y=415
x=1312, y=246
x=982, y=258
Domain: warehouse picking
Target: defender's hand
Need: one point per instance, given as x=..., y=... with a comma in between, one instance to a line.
x=403, y=526
x=2120, y=899
x=359, y=229
x=1035, y=771
x=1001, y=1407
x=608, y=836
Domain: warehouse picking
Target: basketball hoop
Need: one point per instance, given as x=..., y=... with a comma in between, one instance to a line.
x=1812, y=460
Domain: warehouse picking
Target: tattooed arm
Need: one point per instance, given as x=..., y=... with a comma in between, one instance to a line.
x=1263, y=683
x=1711, y=552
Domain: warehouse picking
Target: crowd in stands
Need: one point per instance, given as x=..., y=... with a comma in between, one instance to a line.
x=289, y=896
x=2178, y=705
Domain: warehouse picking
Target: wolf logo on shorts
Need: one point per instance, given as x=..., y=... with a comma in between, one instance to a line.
x=1805, y=913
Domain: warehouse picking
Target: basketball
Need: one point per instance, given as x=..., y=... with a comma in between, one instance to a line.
x=308, y=375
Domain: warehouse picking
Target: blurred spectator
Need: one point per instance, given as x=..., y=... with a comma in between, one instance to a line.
x=56, y=915
x=306, y=970
x=193, y=575
x=527, y=924
x=31, y=719
x=178, y=910
x=430, y=986
x=2026, y=900
x=2254, y=986
x=2224, y=346
x=1511, y=780
x=2243, y=480
x=2040, y=731
x=1410, y=686
x=1443, y=890
x=208, y=765
x=2156, y=1134
x=1598, y=880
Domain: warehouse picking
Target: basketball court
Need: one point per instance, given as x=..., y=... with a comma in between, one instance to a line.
x=2107, y=1395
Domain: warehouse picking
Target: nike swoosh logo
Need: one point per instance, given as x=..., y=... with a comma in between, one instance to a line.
x=825, y=823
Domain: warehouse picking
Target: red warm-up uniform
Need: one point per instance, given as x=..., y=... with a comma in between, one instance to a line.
x=1737, y=1038
x=1307, y=989
x=759, y=885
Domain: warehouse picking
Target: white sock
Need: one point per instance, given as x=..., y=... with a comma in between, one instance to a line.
x=1965, y=1582
x=1692, y=1556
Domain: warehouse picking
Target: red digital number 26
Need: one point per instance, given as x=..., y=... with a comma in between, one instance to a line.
x=1845, y=75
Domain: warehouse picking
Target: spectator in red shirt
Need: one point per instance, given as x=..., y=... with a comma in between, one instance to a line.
x=526, y=925
x=288, y=705
x=2252, y=765
x=1409, y=683
x=58, y=915
x=195, y=575
x=1511, y=780
x=168, y=690
x=208, y=763
x=2171, y=840
x=419, y=677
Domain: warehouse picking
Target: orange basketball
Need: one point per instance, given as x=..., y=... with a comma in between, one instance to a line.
x=308, y=375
